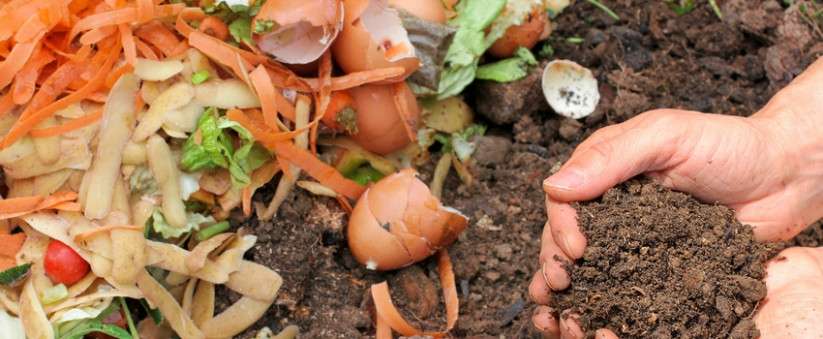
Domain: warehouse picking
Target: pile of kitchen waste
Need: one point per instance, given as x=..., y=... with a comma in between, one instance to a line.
x=660, y=264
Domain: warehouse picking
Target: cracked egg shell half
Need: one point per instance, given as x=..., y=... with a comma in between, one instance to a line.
x=398, y=222
x=373, y=37
x=570, y=89
x=300, y=31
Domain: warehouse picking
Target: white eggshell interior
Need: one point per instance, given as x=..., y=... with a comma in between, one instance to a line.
x=570, y=89
x=300, y=42
x=386, y=27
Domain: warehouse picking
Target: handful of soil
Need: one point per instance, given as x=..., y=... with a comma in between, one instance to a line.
x=660, y=264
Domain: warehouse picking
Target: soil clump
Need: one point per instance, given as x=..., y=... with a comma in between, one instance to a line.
x=660, y=264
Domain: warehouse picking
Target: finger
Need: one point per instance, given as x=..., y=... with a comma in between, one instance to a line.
x=604, y=333
x=545, y=322
x=552, y=262
x=564, y=228
x=794, y=284
x=569, y=327
x=539, y=290
x=607, y=162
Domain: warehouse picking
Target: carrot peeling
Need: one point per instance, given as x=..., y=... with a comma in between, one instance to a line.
x=387, y=312
x=15, y=207
x=319, y=170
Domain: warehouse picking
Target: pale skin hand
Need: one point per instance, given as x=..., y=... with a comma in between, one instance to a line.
x=768, y=168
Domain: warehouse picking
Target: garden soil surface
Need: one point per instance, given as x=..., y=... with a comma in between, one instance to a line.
x=650, y=58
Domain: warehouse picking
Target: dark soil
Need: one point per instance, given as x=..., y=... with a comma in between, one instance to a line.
x=650, y=58
x=660, y=264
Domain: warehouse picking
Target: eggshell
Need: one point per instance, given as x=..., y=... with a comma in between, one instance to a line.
x=526, y=34
x=398, y=222
x=303, y=29
x=379, y=127
x=373, y=37
x=570, y=89
x=431, y=10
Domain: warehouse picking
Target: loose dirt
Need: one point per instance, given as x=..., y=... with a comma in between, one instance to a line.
x=650, y=58
x=660, y=264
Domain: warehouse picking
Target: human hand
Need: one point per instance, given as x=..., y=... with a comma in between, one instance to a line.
x=794, y=294
x=766, y=168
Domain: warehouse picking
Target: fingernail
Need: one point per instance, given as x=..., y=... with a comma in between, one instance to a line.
x=566, y=179
x=546, y=277
x=599, y=335
x=565, y=243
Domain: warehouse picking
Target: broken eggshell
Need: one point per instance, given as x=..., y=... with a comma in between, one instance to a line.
x=398, y=222
x=300, y=31
x=373, y=37
x=570, y=89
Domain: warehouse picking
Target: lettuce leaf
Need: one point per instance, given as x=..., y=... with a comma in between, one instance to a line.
x=511, y=69
x=212, y=146
x=194, y=221
x=463, y=55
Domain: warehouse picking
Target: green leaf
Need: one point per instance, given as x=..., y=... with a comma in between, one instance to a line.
x=96, y=326
x=212, y=146
x=11, y=275
x=508, y=70
x=240, y=29
x=154, y=313
x=468, y=45
x=263, y=26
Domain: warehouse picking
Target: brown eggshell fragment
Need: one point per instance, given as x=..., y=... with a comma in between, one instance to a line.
x=373, y=37
x=380, y=128
x=398, y=222
x=302, y=30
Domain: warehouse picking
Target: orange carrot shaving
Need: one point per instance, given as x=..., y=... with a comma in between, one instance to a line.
x=129, y=47
x=221, y=52
x=144, y=10
x=355, y=79
x=15, y=207
x=23, y=87
x=10, y=244
x=403, y=110
x=266, y=92
x=72, y=125
x=46, y=18
x=7, y=262
x=145, y=50
x=20, y=204
x=97, y=34
x=214, y=27
x=388, y=312
x=246, y=200
x=344, y=202
x=158, y=35
x=188, y=14
x=17, y=58
x=114, y=75
x=28, y=121
x=318, y=170
x=85, y=235
x=261, y=134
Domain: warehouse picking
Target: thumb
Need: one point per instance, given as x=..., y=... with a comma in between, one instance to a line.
x=603, y=162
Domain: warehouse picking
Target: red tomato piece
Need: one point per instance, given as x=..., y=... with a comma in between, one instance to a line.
x=63, y=265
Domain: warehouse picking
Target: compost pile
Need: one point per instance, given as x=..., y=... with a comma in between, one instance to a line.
x=661, y=264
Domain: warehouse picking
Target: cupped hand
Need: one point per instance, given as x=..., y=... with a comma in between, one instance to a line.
x=767, y=168
x=794, y=296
